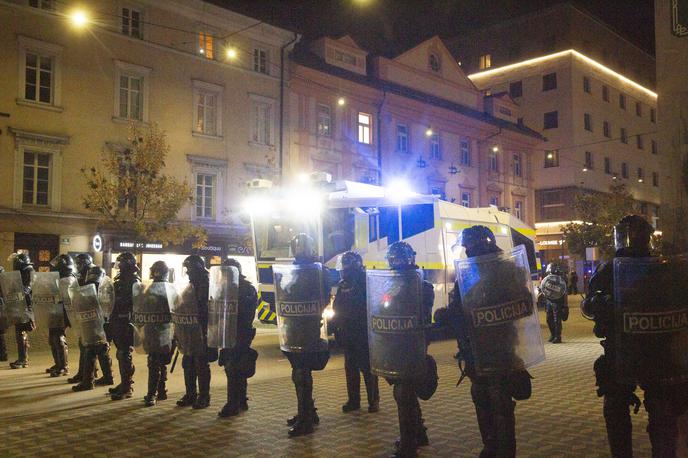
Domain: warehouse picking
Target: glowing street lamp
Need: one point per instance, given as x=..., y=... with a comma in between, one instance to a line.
x=78, y=18
x=231, y=53
x=428, y=132
x=341, y=101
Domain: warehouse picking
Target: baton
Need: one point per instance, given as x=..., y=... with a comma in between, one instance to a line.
x=174, y=361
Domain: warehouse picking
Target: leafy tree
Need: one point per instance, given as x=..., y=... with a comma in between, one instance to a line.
x=599, y=212
x=130, y=193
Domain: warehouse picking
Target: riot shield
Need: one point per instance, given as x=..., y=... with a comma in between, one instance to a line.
x=65, y=284
x=46, y=300
x=151, y=316
x=223, y=306
x=501, y=319
x=298, y=300
x=89, y=317
x=106, y=296
x=187, y=326
x=553, y=287
x=651, y=319
x=4, y=322
x=395, y=323
x=15, y=301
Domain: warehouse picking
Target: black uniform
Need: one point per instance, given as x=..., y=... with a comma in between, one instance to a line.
x=556, y=309
x=3, y=328
x=121, y=330
x=240, y=362
x=21, y=330
x=350, y=317
x=56, y=336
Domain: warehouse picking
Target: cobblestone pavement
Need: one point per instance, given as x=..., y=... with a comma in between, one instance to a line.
x=42, y=417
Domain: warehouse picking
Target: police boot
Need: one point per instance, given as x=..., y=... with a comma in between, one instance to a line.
x=242, y=393
x=105, y=365
x=306, y=406
x=153, y=380
x=373, y=391
x=62, y=353
x=80, y=370
x=3, y=347
x=189, y=381
x=232, y=407
x=22, y=351
x=162, y=384
x=89, y=373
x=53, y=351
x=203, y=399
x=505, y=425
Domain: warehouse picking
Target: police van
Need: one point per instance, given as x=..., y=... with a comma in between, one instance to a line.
x=348, y=215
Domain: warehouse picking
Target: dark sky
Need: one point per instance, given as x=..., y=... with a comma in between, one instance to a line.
x=387, y=25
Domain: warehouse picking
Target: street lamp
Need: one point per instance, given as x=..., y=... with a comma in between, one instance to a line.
x=341, y=101
x=231, y=53
x=428, y=132
x=79, y=18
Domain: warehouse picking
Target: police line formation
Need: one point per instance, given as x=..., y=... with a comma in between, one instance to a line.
x=382, y=318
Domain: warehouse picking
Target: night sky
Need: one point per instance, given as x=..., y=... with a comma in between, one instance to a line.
x=390, y=26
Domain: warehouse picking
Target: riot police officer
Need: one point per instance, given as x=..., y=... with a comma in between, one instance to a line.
x=553, y=291
x=96, y=351
x=197, y=355
x=83, y=262
x=64, y=265
x=632, y=357
x=3, y=326
x=240, y=361
x=351, y=326
x=120, y=326
x=22, y=263
x=305, y=284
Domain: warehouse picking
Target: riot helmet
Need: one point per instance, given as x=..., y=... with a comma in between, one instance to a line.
x=126, y=262
x=554, y=269
x=303, y=249
x=94, y=276
x=231, y=262
x=349, y=264
x=400, y=255
x=63, y=263
x=195, y=267
x=20, y=260
x=83, y=261
x=478, y=241
x=632, y=236
x=2, y=269
x=159, y=271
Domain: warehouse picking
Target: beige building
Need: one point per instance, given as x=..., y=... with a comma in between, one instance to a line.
x=210, y=78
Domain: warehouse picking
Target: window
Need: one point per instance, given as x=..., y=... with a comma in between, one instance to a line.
x=623, y=136
x=260, y=60
x=207, y=108
x=518, y=209
x=205, y=45
x=324, y=123
x=516, y=89
x=551, y=120
x=465, y=148
x=493, y=162
x=485, y=61
x=553, y=207
x=434, y=63
x=36, y=178
x=607, y=128
x=364, y=121
x=551, y=159
x=653, y=115
x=607, y=166
x=653, y=144
x=131, y=22
x=588, y=160
x=205, y=195
x=549, y=82
x=622, y=101
x=42, y=4
x=624, y=170
x=605, y=93
x=655, y=179
x=639, y=141
x=466, y=199
x=494, y=200
x=402, y=138
x=517, y=165
x=586, y=84
x=38, y=80
x=587, y=122
x=435, y=150
x=639, y=109
x=345, y=58
x=262, y=131
x=131, y=97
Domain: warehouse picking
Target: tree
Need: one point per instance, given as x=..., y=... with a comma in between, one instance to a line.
x=598, y=213
x=130, y=193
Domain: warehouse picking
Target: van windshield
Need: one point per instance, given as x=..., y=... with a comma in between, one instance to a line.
x=273, y=234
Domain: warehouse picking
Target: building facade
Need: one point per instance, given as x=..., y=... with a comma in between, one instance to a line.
x=414, y=116
x=209, y=78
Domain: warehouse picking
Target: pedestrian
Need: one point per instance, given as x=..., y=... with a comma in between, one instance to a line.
x=553, y=292
x=351, y=327
x=573, y=282
x=646, y=352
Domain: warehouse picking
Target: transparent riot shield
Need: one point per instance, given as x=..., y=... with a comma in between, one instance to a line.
x=151, y=316
x=651, y=319
x=223, y=306
x=396, y=335
x=4, y=322
x=299, y=306
x=15, y=301
x=46, y=300
x=106, y=296
x=65, y=284
x=553, y=287
x=187, y=327
x=88, y=315
x=501, y=319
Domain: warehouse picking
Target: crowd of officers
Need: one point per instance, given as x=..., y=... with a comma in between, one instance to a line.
x=394, y=346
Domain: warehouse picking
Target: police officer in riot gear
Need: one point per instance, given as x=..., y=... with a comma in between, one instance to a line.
x=554, y=293
x=83, y=262
x=413, y=434
x=665, y=399
x=95, y=352
x=3, y=328
x=22, y=263
x=240, y=362
x=197, y=364
x=121, y=330
x=350, y=319
x=64, y=265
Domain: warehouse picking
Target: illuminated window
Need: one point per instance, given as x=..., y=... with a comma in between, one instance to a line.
x=36, y=178
x=551, y=159
x=324, y=123
x=516, y=89
x=586, y=84
x=549, y=82
x=260, y=61
x=132, y=22
x=207, y=108
x=551, y=120
x=205, y=195
x=465, y=147
x=402, y=138
x=435, y=150
x=205, y=45
x=485, y=61
x=364, y=123
x=587, y=121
